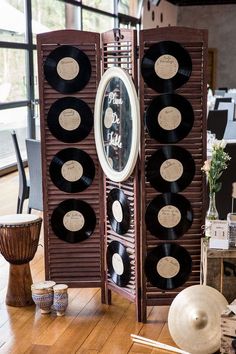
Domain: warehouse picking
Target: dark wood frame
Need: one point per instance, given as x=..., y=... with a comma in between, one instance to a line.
x=119, y=48
x=78, y=264
x=195, y=90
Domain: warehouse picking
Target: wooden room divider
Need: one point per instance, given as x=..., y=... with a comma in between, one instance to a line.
x=158, y=246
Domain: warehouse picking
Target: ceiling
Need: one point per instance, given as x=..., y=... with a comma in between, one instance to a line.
x=201, y=2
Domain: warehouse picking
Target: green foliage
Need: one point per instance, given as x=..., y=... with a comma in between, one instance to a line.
x=215, y=166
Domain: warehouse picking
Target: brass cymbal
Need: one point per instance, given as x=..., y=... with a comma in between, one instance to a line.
x=194, y=319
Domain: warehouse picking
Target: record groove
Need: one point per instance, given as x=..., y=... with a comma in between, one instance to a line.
x=170, y=169
x=67, y=69
x=168, y=266
x=169, y=118
x=70, y=119
x=73, y=220
x=118, y=211
x=166, y=66
x=118, y=263
x=72, y=170
x=169, y=216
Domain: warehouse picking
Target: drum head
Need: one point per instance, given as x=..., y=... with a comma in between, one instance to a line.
x=18, y=219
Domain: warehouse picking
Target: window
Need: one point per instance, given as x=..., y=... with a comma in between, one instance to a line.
x=19, y=94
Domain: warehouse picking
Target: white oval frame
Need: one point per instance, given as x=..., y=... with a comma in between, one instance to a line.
x=117, y=176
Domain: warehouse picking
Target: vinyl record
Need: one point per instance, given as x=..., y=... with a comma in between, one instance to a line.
x=70, y=119
x=118, y=211
x=169, y=216
x=118, y=263
x=168, y=266
x=170, y=169
x=166, y=66
x=72, y=170
x=67, y=69
x=73, y=220
x=169, y=118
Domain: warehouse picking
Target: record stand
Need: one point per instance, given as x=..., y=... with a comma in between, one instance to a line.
x=121, y=240
x=173, y=96
x=69, y=73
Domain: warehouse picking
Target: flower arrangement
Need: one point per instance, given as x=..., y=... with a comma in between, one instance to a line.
x=215, y=166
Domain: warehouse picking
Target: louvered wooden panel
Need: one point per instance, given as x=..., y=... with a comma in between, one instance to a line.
x=195, y=42
x=119, y=49
x=77, y=264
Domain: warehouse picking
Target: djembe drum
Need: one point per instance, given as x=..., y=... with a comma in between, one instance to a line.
x=19, y=237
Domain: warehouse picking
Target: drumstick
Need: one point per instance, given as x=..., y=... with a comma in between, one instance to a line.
x=155, y=344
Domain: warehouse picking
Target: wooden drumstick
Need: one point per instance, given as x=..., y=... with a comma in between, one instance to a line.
x=155, y=344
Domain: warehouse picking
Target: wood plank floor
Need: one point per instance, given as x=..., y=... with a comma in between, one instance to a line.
x=88, y=327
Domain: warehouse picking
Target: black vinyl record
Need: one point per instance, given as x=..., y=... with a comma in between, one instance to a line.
x=118, y=211
x=70, y=119
x=73, y=220
x=118, y=263
x=170, y=169
x=67, y=69
x=166, y=66
x=168, y=216
x=168, y=266
x=169, y=118
x=72, y=170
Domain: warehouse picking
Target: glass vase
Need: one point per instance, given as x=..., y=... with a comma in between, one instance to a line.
x=212, y=214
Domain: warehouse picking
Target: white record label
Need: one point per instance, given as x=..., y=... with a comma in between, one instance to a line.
x=72, y=170
x=73, y=220
x=169, y=216
x=117, y=264
x=166, y=66
x=69, y=119
x=169, y=118
x=68, y=68
x=168, y=267
x=171, y=170
x=117, y=211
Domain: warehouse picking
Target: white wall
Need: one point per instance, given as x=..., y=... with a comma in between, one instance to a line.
x=165, y=14
x=220, y=22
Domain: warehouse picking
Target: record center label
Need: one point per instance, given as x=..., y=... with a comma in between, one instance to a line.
x=73, y=220
x=117, y=211
x=72, y=170
x=69, y=119
x=171, y=170
x=169, y=118
x=168, y=267
x=68, y=68
x=117, y=264
x=166, y=66
x=169, y=216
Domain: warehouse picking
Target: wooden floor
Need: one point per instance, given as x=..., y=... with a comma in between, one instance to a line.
x=88, y=327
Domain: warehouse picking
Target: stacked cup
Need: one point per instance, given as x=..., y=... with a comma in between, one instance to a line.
x=42, y=295
x=60, y=299
x=48, y=295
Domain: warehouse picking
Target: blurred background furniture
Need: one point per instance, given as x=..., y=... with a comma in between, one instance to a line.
x=216, y=122
x=224, y=196
x=24, y=183
x=33, y=148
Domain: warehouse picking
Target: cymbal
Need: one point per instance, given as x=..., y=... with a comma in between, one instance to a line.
x=194, y=319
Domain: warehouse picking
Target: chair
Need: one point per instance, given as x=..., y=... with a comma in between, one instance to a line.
x=216, y=122
x=219, y=99
x=33, y=148
x=24, y=184
x=224, y=196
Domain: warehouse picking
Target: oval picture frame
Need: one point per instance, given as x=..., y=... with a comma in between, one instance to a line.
x=110, y=172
